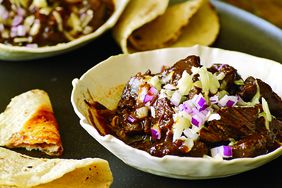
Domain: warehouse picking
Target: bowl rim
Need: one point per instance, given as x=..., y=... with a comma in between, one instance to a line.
x=109, y=139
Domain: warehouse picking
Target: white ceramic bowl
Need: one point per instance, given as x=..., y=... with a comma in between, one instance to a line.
x=103, y=82
x=23, y=53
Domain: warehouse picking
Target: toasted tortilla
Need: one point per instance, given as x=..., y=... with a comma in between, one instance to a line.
x=137, y=14
x=182, y=24
x=202, y=34
x=29, y=122
x=165, y=29
x=19, y=170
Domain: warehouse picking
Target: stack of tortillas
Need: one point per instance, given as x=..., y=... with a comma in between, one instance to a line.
x=147, y=25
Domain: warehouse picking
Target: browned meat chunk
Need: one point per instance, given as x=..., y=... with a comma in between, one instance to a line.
x=182, y=65
x=235, y=123
x=164, y=112
x=262, y=142
x=273, y=100
x=248, y=90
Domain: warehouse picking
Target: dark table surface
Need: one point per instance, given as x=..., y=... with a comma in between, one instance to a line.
x=241, y=32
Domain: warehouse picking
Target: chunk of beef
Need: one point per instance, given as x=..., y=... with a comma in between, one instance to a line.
x=262, y=142
x=186, y=64
x=130, y=93
x=199, y=149
x=163, y=113
x=235, y=122
x=182, y=65
x=273, y=100
x=230, y=77
x=251, y=146
x=249, y=89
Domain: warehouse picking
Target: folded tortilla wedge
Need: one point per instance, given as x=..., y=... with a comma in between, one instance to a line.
x=29, y=122
x=182, y=24
x=19, y=170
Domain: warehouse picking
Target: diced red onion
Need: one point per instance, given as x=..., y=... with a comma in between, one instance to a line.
x=148, y=98
x=199, y=101
x=4, y=13
x=220, y=67
x=204, y=107
x=186, y=106
x=205, y=112
x=20, y=11
x=131, y=119
x=14, y=32
x=214, y=99
x=32, y=45
x=150, y=95
x=228, y=101
x=153, y=91
x=197, y=120
x=222, y=151
x=142, y=92
x=156, y=132
x=21, y=31
x=17, y=20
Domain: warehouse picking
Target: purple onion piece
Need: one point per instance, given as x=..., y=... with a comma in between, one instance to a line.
x=148, y=98
x=227, y=151
x=197, y=120
x=199, y=101
x=20, y=11
x=17, y=20
x=230, y=103
x=186, y=108
x=222, y=151
x=156, y=132
x=33, y=45
x=214, y=99
x=153, y=91
x=21, y=31
x=131, y=119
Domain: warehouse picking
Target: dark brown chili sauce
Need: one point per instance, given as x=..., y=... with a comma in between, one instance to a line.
x=243, y=125
x=36, y=23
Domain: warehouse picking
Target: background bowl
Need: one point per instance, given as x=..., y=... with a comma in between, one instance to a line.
x=104, y=83
x=23, y=53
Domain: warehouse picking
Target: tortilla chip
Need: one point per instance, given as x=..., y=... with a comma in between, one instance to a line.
x=165, y=29
x=29, y=122
x=136, y=14
x=19, y=170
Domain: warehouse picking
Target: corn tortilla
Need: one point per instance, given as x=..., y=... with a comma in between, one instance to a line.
x=19, y=170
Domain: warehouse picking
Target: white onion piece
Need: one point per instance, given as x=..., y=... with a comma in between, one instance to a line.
x=176, y=98
x=142, y=112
